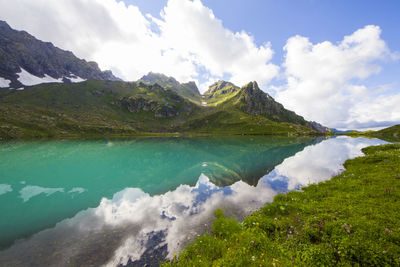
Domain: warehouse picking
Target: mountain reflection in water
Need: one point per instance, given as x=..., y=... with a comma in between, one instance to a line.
x=138, y=226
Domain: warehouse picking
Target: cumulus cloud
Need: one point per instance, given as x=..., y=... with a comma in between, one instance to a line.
x=193, y=30
x=188, y=42
x=324, y=80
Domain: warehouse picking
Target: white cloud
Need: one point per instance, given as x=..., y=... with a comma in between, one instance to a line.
x=188, y=38
x=192, y=29
x=324, y=79
x=325, y=82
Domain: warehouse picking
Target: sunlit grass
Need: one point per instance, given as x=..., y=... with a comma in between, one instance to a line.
x=351, y=220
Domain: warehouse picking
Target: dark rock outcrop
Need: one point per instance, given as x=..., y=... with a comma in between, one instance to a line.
x=187, y=90
x=138, y=104
x=19, y=49
x=320, y=128
x=256, y=102
x=220, y=89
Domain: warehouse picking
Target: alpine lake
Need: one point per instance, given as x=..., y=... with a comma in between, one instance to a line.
x=139, y=201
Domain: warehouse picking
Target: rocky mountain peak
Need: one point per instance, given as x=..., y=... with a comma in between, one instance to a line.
x=192, y=86
x=153, y=77
x=252, y=89
x=251, y=86
x=221, y=87
x=26, y=61
x=188, y=90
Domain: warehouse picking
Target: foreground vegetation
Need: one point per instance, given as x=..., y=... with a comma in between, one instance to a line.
x=351, y=220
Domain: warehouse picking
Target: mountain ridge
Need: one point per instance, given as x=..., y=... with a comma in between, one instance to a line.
x=60, y=95
x=25, y=60
x=188, y=90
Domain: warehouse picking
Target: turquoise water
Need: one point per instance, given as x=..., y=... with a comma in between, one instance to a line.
x=56, y=195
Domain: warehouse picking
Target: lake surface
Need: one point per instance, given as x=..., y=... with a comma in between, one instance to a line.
x=139, y=201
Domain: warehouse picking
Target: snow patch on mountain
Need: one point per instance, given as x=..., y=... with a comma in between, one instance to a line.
x=75, y=79
x=29, y=79
x=4, y=83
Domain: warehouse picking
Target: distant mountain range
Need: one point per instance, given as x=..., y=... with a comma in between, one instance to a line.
x=48, y=92
x=341, y=131
x=25, y=61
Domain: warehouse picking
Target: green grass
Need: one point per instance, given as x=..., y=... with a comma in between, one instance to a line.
x=215, y=95
x=351, y=220
x=104, y=108
x=390, y=134
x=231, y=121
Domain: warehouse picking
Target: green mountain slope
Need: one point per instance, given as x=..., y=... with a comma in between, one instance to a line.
x=91, y=108
x=219, y=92
x=113, y=108
x=188, y=90
x=252, y=100
x=246, y=110
x=390, y=134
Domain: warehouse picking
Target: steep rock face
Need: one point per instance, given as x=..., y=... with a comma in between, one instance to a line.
x=160, y=79
x=163, y=103
x=21, y=52
x=220, y=88
x=187, y=90
x=220, y=92
x=192, y=86
x=320, y=128
x=134, y=104
x=252, y=100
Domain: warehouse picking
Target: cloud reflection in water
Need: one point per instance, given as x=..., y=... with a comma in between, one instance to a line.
x=123, y=228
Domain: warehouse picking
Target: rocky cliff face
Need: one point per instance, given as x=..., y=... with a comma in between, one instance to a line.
x=188, y=90
x=220, y=88
x=164, y=103
x=22, y=55
x=191, y=86
x=134, y=104
x=252, y=100
x=320, y=128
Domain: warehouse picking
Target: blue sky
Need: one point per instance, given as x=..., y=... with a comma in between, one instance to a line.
x=336, y=62
x=275, y=21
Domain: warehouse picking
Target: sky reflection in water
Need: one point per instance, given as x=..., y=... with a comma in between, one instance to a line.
x=132, y=224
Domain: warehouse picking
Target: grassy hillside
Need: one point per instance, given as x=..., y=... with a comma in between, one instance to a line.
x=112, y=108
x=351, y=220
x=390, y=133
x=187, y=90
x=90, y=108
x=251, y=100
x=220, y=92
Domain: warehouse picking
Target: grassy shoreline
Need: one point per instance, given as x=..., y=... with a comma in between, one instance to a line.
x=351, y=220
x=149, y=134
